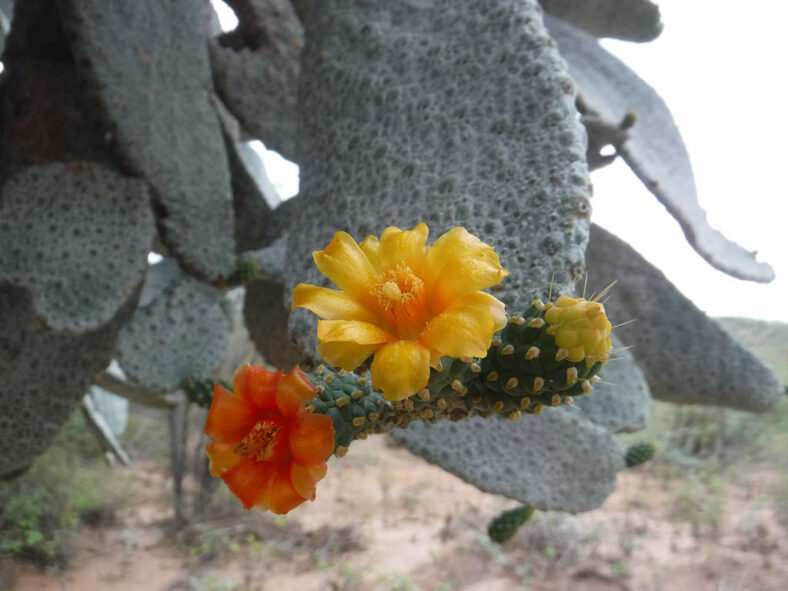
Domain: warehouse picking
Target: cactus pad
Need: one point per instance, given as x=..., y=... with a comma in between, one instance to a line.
x=503, y=527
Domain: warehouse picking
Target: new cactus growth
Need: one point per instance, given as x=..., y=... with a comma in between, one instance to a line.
x=505, y=525
x=246, y=270
x=200, y=390
x=351, y=403
x=640, y=453
x=545, y=357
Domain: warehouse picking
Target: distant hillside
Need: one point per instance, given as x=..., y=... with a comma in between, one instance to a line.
x=767, y=339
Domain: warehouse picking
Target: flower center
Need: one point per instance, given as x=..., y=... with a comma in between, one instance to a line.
x=401, y=299
x=264, y=442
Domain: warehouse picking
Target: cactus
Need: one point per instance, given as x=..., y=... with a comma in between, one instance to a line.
x=200, y=390
x=639, y=453
x=505, y=525
x=544, y=357
x=246, y=270
x=350, y=402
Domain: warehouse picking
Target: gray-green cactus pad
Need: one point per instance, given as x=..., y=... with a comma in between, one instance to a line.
x=554, y=461
x=179, y=333
x=686, y=356
x=631, y=20
x=77, y=236
x=450, y=113
x=266, y=319
x=655, y=151
x=148, y=62
x=259, y=80
x=621, y=401
x=47, y=377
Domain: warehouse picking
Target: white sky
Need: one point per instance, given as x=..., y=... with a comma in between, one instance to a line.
x=719, y=67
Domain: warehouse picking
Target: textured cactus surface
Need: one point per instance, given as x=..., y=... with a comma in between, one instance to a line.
x=503, y=527
x=633, y=20
x=678, y=347
x=179, y=331
x=145, y=91
x=442, y=112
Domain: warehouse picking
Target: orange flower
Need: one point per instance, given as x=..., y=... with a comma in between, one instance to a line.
x=405, y=302
x=266, y=447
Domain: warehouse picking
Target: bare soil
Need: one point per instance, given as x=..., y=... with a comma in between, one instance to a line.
x=385, y=519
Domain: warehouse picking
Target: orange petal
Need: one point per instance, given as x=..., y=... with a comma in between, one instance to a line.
x=283, y=497
x=344, y=263
x=257, y=385
x=347, y=356
x=294, y=391
x=398, y=247
x=222, y=457
x=311, y=438
x=330, y=303
x=305, y=478
x=230, y=417
x=401, y=369
x=251, y=482
x=466, y=327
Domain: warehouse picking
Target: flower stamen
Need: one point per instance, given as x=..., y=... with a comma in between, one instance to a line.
x=401, y=299
x=261, y=442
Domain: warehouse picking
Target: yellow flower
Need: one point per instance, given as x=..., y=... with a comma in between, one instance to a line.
x=581, y=328
x=407, y=303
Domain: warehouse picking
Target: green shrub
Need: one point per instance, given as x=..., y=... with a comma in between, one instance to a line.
x=69, y=485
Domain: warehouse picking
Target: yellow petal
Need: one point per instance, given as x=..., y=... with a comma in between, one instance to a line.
x=466, y=327
x=459, y=263
x=351, y=331
x=330, y=303
x=344, y=263
x=401, y=369
x=370, y=246
x=403, y=247
x=347, y=356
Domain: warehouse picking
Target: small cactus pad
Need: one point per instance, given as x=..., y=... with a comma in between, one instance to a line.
x=200, y=390
x=351, y=403
x=639, y=453
x=505, y=525
x=526, y=369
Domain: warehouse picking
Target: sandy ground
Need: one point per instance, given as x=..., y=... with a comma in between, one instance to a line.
x=385, y=519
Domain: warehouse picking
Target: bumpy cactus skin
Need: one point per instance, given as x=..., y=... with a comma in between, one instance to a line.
x=200, y=391
x=504, y=526
x=350, y=402
x=526, y=370
x=640, y=453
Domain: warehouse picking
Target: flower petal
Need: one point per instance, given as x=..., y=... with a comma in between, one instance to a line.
x=330, y=303
x=311, y=438
x=304, y=478
x=466, y=327
x=344, y=263
x=251, y=482
x=283, y=496
x=351, y=331
x=222, y=456
x=294, y=391
x=403, y=247
x=401, y=369
x=256, y=385
x=347, y=356
x=459, y=263
x=230, y=417
x=370, y=246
